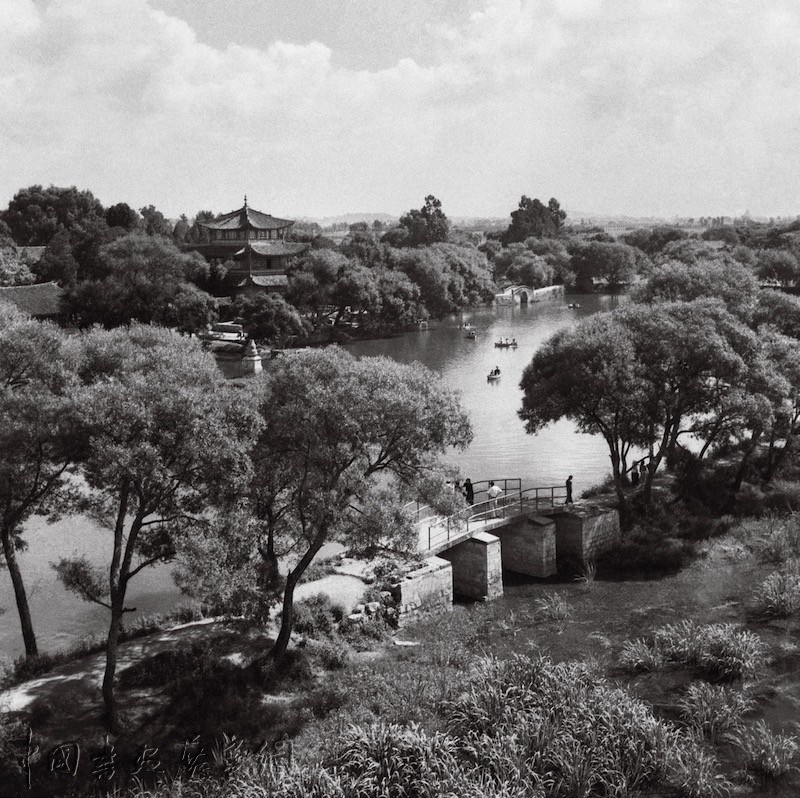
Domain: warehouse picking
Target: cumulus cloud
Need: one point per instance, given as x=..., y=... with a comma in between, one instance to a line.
x=678, y=106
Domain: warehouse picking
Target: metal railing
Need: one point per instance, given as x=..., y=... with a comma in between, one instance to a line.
x=435, y=530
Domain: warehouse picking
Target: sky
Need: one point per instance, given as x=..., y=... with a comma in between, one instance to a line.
x=319, y=107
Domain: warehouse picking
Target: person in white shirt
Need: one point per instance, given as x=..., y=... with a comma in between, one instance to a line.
x=493, y=492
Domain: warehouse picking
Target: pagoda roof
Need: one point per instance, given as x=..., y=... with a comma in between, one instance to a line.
x=271, y=249
x=260, y=280
x=247, y=218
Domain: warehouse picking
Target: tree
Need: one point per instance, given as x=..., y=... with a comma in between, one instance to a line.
x=40, y=437
x=590, y=374
x=778, y=310
x=726, y=234
x=778, y=266
x=155, y=223
x=339, y=431
x=534, y=218
x=13, y=270
x=122, y=215
x=689, y=354
x=197, y=234
x=268, y=317
x=190, y=310
x=312, y=279
x=731, y=282
x=653, y=240
x=144, y=275
x=36, y=214
x=614, y=264
x=168, y=440
x=355, y=290
x=427, y=225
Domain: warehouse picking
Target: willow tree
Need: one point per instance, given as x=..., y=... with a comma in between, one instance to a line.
x=40, y=438
x=341, y=440
x=169, y=441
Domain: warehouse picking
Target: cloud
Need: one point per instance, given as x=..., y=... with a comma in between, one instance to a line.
x=676, y=107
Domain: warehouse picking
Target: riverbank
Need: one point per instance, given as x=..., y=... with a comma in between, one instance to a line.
x=329, y=685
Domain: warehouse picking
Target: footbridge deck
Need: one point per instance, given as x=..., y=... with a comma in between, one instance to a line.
x=438, y=533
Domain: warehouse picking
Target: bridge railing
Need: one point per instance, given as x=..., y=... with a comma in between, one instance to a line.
x=437, y=530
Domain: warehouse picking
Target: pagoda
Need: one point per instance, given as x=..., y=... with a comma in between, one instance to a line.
x=255, y=243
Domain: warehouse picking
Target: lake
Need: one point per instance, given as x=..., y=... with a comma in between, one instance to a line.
x=500, y=448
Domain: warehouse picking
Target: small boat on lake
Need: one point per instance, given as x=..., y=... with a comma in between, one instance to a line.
x=493, y=375
x=573, y=305
x=504, y=343
x=472, y=335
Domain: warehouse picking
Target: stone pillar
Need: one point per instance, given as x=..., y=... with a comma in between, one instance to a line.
x=251, y=360
x=529, y=546
x=477, y=567
x=425, y=591
x=584, y=533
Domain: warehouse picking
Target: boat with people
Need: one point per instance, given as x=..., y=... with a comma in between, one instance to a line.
x=504, y=343
x=472, y=335
x=494, y=374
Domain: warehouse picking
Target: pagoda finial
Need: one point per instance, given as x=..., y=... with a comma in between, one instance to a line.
x=245, y=200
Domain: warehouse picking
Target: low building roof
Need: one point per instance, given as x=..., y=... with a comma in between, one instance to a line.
x=271, y=249
x=246, y=218
x=40, y=299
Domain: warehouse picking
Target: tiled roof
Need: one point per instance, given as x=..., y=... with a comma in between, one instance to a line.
x=246, y=218
x=270, y=280
x=272, y=249
x=41, y=299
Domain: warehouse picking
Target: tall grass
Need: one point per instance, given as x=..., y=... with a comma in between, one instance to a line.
x=712, y=711
x=778, y=596
x=766, y=756
x=720, y=652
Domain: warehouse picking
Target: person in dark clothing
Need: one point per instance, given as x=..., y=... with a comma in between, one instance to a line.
x=469, y=493
x=635, y=475
x=569, y=490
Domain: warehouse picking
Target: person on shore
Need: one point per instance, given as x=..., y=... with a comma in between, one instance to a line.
x=569, y=490
x=635, y=475
x=457, y=486
x=493, y=492
x=642, y=469
x=469, y=493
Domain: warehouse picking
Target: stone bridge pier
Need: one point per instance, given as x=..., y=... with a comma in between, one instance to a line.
x=477, y=567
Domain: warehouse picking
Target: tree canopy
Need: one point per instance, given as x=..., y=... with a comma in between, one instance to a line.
x=534, y=218
x=35, y=214
x=425, y=226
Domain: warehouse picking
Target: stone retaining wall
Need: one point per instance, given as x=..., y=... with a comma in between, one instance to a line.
x=584, y=533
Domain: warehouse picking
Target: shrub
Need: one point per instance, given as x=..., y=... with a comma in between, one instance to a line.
x=774, y=540
x=332, y=655
x=168, y=666
x=317, y=616
x=364, y=634
x=778, y=596
x=712, y=710
x=767, y=755
x=642, y=554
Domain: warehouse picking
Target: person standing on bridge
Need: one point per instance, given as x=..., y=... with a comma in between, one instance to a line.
x=469, y=493
x=569, y=490
x=493, y=492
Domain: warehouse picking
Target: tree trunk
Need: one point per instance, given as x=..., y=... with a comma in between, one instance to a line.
x=28, y=637
x=742, y=470
x=287, y=618
x=287, y=612
x=112, y=644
